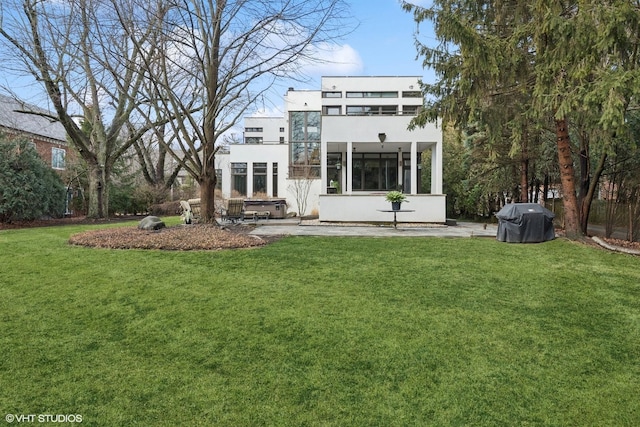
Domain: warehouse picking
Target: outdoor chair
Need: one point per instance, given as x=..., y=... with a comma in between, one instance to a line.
x=195, y=207
x=190, y=210
x=234, y=211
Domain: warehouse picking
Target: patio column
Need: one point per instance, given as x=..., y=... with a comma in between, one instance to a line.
x=414, y=167
x=323, y=166
x=348, y=187
x=436, y=166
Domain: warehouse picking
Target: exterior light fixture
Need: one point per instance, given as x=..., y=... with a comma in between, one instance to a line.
x=382, y=137
x=338, y=165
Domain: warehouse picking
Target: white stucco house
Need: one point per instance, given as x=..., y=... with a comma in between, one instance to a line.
x=343, y=146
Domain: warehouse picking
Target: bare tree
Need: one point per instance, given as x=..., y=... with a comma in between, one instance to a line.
x=218, y=57
x=154, y=161
x=89, y=69
x=300, y=187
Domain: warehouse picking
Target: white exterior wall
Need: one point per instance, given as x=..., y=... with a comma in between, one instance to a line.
x=302, y=100
x=270, y=129
x=427, y=208
x=348, y=135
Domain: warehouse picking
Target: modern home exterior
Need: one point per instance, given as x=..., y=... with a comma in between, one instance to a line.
x=338, y=150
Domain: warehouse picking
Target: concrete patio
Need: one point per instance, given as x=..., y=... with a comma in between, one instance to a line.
x=293, y=226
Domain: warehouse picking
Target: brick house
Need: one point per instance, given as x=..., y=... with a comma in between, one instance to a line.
x=19, y=119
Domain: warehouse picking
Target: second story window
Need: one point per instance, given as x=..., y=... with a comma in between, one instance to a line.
x=253, y=129
x=371, y=110
x=253, y=140
x=410, y=110
x=412, y=94
x=58, y=158
x=331, y=110
x=385, y=94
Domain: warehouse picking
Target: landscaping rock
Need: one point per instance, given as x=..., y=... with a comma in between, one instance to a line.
x=151, y=223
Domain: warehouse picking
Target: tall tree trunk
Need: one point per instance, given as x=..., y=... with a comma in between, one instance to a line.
x=524, y=182
x=98, y=192
x=208, y=179
x=568, y=180
x=524, y=168
x=585, y=203
x=207, y=197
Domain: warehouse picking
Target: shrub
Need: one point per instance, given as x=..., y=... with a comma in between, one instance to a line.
x=165, y=209
x=29, y=188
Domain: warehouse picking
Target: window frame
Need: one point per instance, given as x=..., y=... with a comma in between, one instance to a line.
x=58, y=155
x=239, y=174
x=305, y=129
x=372, y=94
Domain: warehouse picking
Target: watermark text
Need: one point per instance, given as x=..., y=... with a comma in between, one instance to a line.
x=43, y=418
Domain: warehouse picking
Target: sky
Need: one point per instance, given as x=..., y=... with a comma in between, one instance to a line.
x=381, y=45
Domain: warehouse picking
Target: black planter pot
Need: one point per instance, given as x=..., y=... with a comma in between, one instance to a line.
x=395, y=206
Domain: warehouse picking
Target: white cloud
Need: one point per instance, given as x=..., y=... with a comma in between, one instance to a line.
x=332, y=59
x=276, y=111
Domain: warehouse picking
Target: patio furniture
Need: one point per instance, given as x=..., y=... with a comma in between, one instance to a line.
x=395, y=211
x=256, y=215
x=195, y=207
x=234, y=211
x=190, y=210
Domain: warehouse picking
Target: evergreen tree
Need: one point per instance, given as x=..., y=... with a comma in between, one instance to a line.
x=530, y=66
x=29, y=189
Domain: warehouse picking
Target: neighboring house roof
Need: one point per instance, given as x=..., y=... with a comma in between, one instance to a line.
x=14, y=116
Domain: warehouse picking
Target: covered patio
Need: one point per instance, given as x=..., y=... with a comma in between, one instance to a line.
x=381, y=155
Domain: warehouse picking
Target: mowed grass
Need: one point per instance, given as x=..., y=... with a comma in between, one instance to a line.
x=315, y=331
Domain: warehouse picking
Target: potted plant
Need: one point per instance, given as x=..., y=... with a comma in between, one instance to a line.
x=396, y=198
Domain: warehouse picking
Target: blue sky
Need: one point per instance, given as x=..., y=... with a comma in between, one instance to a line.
x=384, y=40
x=381, y=45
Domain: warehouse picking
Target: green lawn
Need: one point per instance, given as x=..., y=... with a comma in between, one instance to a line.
x=320, y=332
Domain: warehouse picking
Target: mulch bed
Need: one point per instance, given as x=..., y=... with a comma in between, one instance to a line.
x=176, y=238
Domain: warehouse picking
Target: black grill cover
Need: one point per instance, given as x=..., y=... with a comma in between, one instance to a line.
x=525, y=223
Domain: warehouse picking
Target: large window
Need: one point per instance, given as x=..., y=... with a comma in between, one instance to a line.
x=253, y=140
x=334, y=175
x=410, y=110
x=239, y=178
x=304, y=143
x=259, y=178
x=412, y=94
x=218, y=179
x=372, y=94
x=57, y=158
x=375, y=171
x=371, y=110
x=275, y=179
x=332, y=110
